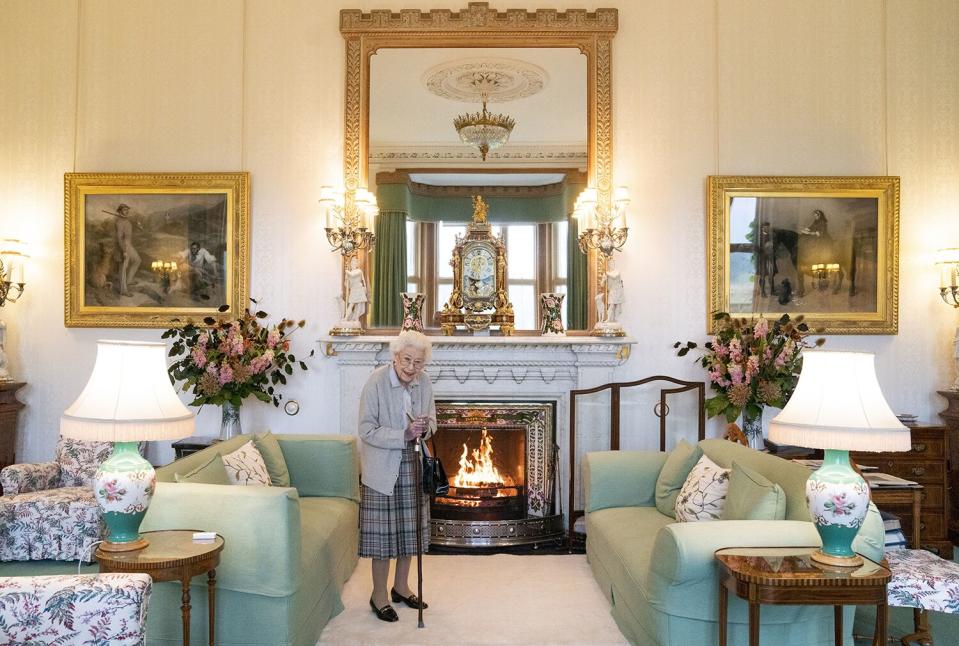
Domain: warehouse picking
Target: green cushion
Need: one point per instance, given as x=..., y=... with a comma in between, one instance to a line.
x=680, y=462
x=752, y=496
x=272, y=454
x=211, y=472
x=322, y=465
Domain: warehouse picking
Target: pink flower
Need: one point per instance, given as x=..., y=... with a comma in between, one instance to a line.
x=199, y=356
x=736, y=373
x=752, y=365
x=272, y=338
x=719, y=349
x=735, y=351
x=761, y=329
x=226, y=374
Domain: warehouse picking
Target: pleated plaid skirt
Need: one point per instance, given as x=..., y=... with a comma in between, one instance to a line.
x=388, y=523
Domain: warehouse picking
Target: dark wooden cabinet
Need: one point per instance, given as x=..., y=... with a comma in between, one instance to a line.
x=186, y=446
x=951, y=417
x=9, y=409
x=928, y=464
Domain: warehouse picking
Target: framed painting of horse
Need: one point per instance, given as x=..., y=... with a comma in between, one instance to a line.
x=824, y=247
x=151, y=249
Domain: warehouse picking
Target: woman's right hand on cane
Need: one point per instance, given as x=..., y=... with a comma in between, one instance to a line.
x=415, y=430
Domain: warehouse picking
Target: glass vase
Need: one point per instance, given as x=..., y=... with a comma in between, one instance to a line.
x=230, y=421
x=753, y=429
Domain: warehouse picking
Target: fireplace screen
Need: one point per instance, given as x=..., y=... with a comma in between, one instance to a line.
x=501, y=461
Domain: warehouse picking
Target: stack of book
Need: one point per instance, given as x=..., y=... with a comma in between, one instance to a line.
x=895, y=539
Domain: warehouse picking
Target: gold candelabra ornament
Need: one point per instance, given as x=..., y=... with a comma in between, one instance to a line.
x=603, y=229
x=13, y=258
x=165, y=269
x=948, y=261
x=348, y=218
x=604, y=224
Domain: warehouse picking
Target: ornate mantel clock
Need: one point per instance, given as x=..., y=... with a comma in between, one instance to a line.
x=479, y=300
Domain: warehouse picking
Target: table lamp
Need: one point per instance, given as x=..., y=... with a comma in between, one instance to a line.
x=128, y=399
x=838, y=406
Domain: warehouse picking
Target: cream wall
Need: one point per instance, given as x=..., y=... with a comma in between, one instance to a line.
x=700, y=87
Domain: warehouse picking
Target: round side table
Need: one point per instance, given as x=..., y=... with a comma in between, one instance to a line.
x=172, y=556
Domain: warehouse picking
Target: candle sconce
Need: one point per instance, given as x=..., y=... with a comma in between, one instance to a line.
x=12, y=260
x=948, y=261
x=603, y=226
x=348, y=214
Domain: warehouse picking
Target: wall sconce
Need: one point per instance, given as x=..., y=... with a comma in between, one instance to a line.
x=13, y=257
x=164, y=269
x=948, y=261
x=348, y=218
x=824, y=273
x=604, y=230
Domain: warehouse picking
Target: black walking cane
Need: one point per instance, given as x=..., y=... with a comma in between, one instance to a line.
x=418, y=481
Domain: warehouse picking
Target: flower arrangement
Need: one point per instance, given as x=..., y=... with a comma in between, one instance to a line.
x=230, y=360
x=752, y=363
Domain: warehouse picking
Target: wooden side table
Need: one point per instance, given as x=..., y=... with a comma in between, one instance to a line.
x=787, y=575
x=9, y=409
x=172, y=556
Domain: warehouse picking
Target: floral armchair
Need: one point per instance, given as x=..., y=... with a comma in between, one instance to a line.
x=74, y=609
x=48, y=510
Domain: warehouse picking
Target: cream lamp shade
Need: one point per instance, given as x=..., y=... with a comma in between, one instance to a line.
x=129, y=398
x=838, y=405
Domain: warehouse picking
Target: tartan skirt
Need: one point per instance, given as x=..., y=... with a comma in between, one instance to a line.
x=388, y=523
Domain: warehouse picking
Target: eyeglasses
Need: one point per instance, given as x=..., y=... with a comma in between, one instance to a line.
x=409, y=362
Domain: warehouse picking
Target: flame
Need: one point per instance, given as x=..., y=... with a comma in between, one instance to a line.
x=480, y=472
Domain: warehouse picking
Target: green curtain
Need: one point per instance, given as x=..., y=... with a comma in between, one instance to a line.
x=577, y=276
x=389, y=269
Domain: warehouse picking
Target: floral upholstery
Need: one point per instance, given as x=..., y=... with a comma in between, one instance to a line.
x=79, y=460
x=21, y=478
x=80, y=609
x=58, y=524
x=920, y=579
x=48, y=510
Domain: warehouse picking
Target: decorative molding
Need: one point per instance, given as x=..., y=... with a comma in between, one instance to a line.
x=402, y=176
x=545, y=190
x=522, y=153
x=502, y=79
x=479, y=17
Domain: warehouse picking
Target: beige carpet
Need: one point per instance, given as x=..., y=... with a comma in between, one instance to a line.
x=485, y=600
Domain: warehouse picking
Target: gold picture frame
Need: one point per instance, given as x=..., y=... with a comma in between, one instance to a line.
x=154, y=249
x=824, y=247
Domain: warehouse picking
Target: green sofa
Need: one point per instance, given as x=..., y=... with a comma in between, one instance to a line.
x=287, y=553
x=660, y=576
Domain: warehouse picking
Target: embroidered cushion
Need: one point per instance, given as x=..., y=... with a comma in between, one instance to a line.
x=245, y=466
x=703, y=495
x=211, y=472
x=678, y=464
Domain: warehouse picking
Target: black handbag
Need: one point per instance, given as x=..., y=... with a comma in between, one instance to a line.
x=435, y=482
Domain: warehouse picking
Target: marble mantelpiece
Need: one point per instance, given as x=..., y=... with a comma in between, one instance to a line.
x=464, y=368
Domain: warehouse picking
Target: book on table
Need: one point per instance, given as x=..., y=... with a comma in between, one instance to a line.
x=879, y=480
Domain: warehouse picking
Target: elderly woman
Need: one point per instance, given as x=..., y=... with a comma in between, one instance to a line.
x=396, y=410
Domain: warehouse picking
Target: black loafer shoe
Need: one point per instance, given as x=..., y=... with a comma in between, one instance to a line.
x=386, y=613
x=411, y=600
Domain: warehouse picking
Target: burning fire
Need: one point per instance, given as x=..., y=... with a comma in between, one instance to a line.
x=480, y=472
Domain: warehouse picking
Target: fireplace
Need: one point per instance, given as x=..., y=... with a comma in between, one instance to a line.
x=501, y=461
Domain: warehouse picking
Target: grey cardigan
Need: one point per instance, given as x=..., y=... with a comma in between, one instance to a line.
x=383, y=422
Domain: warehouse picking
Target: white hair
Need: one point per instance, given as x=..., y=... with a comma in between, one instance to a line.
x=412, y=339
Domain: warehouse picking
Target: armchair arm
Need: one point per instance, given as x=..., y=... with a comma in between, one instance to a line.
x=260, y=527
x=22, y=478
x=621, y=478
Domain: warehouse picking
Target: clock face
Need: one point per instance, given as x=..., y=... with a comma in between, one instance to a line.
x=479, y=273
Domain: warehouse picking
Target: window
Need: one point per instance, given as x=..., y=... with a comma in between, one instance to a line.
x=535, y=254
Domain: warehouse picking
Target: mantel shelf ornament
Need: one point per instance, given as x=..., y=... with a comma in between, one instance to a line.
x=479, y=299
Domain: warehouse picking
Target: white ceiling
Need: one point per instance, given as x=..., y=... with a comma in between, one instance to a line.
x=404, y=112
x=487, y=179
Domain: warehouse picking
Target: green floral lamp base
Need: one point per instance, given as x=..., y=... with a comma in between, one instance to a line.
x=838, y=501
x=124, y=485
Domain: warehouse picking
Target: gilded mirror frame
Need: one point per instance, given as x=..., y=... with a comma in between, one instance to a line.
x=475, y=26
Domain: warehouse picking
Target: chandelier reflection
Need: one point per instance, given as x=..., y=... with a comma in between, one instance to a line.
x=484, y=130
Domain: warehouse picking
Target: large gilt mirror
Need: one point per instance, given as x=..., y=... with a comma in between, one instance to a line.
x=514, y=106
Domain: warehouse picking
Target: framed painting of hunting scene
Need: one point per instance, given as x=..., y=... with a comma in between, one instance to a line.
x=151, y=249
x=824, y=247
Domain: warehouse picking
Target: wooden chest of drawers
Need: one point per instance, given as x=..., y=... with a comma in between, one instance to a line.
x=928, y=464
